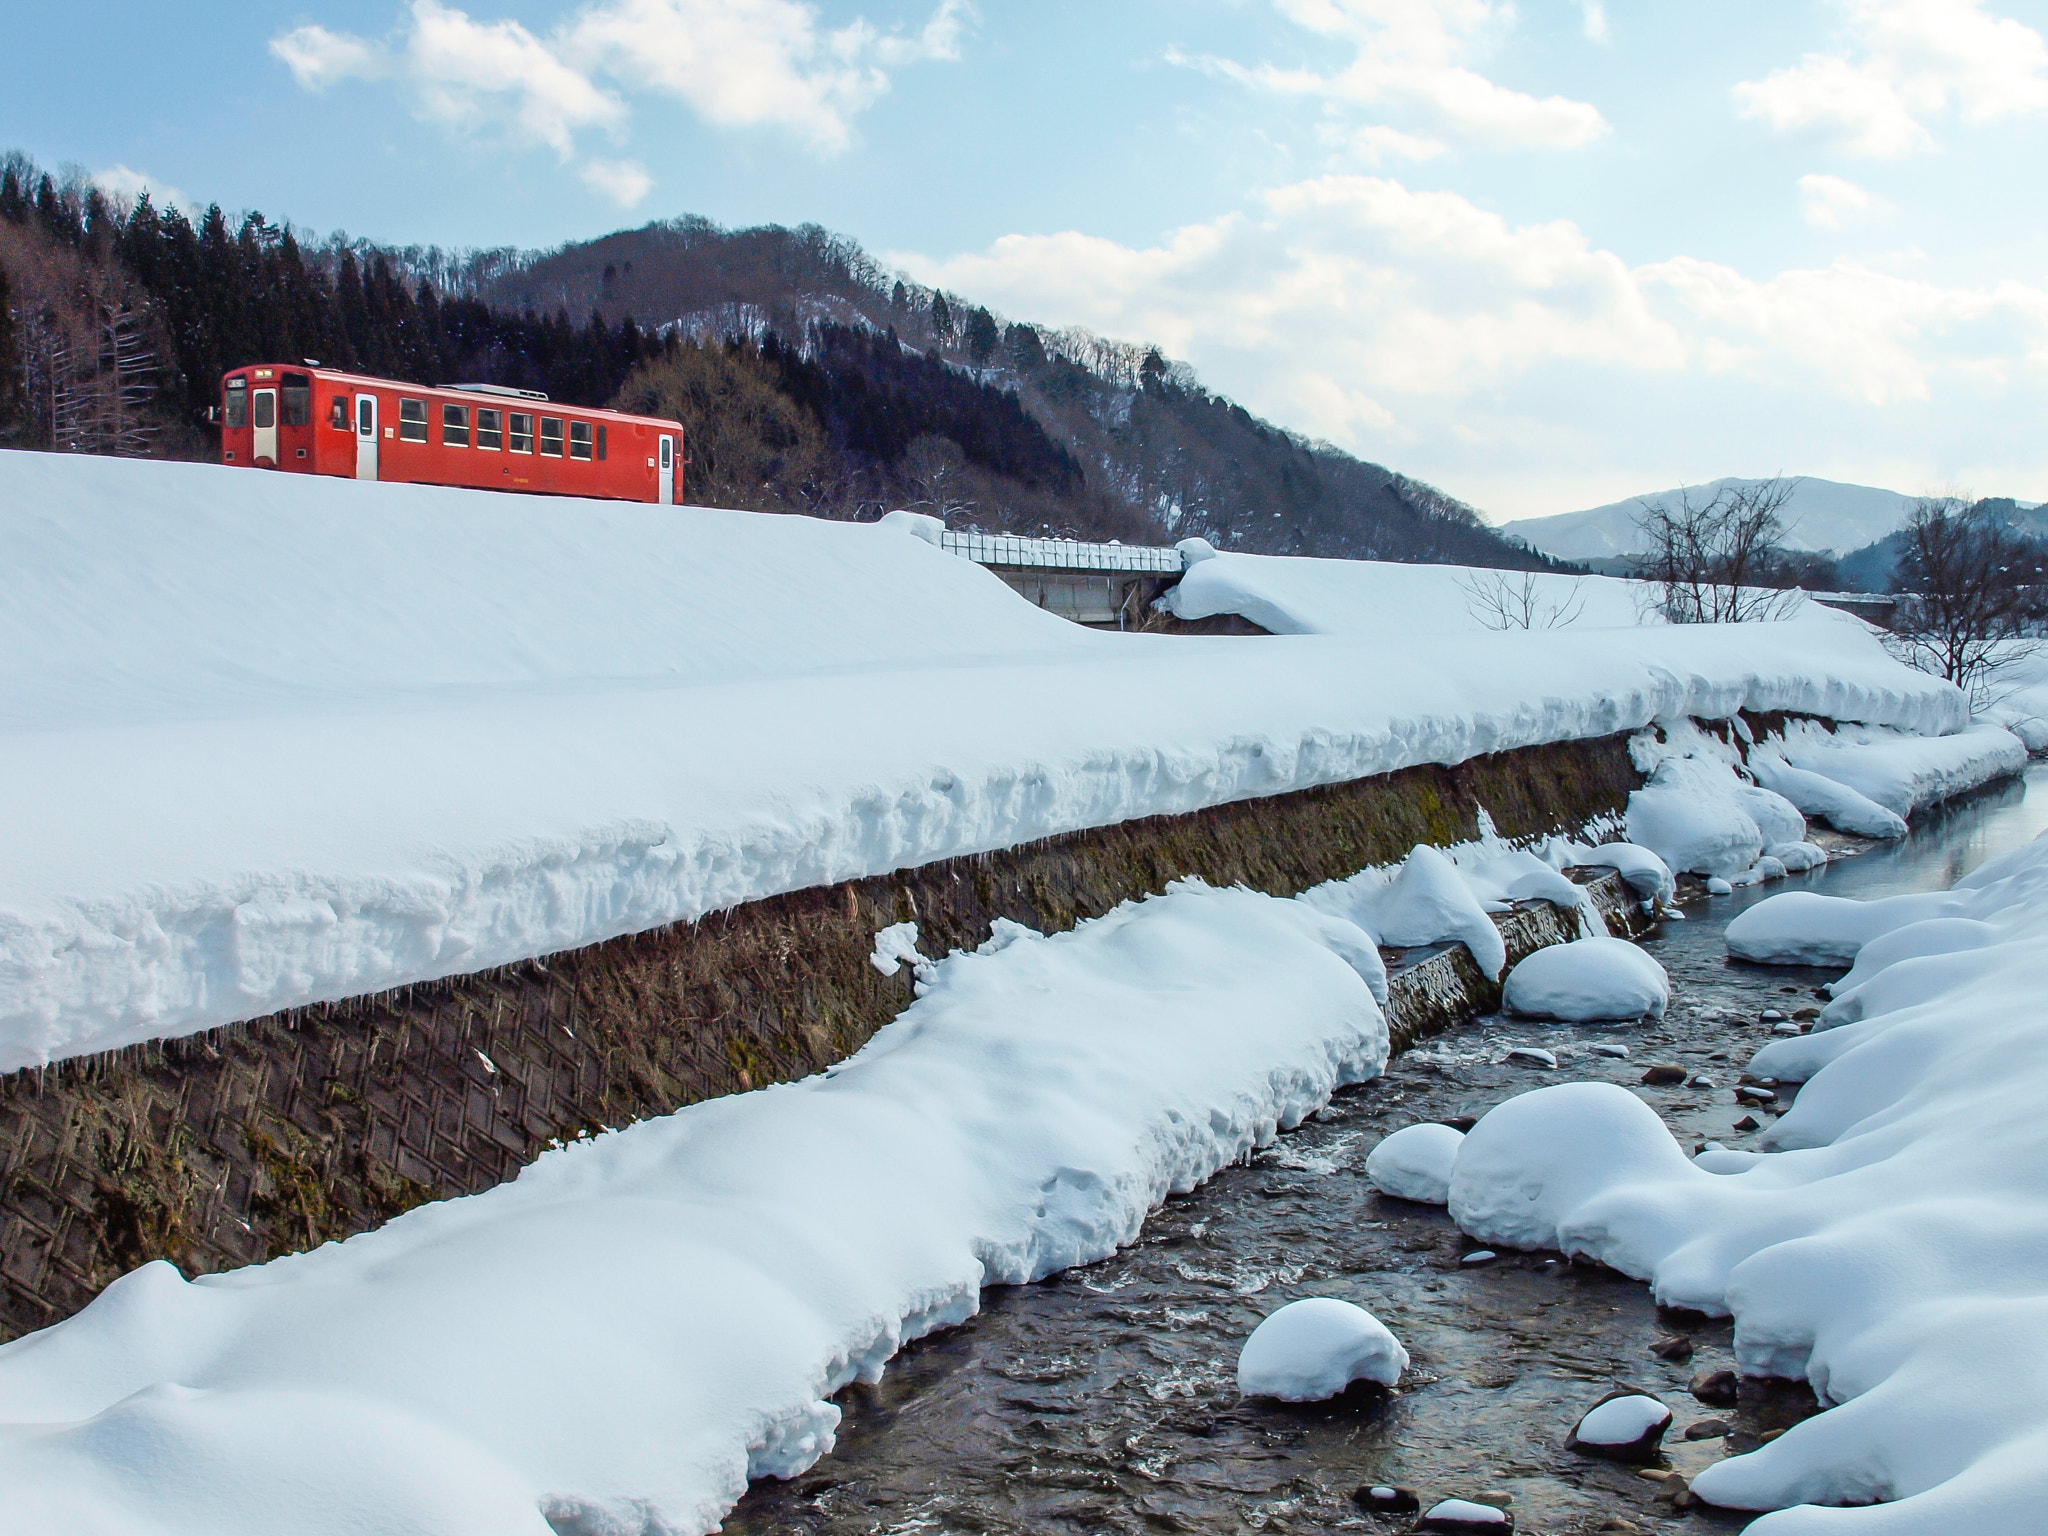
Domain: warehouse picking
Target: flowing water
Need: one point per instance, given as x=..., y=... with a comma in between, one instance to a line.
x=1105, y=1398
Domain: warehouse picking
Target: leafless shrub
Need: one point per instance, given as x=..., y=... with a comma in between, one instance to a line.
x=1521, y=600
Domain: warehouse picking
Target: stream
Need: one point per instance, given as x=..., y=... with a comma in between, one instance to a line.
x=1104, y=1399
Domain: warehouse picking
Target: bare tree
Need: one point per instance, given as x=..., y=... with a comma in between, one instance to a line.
x=1721, y=560
x=936, y=470
x=1521, y=600
x=1967, y=588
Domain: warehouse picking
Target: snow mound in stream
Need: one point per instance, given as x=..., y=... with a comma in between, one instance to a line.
x=1596, y=980
x=1313, y=1349
x=1415, y=1162
x=1890, y=1244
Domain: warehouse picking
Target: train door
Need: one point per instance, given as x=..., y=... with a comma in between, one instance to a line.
x=263, y=417
x=665, y=478
x=366, y=437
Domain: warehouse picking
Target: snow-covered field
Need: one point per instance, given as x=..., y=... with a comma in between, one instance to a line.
x=1892, y=1246
x=275, y=740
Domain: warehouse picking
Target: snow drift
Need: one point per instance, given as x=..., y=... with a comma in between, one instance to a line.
x=616, y=1341
x=288, y=740
x=1892, y=1247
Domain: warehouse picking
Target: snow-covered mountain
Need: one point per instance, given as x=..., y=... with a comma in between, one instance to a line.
x=1822, y=514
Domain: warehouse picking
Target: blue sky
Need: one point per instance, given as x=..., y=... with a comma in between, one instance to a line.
x=1543, y=255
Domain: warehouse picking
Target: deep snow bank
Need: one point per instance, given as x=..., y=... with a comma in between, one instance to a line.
x=288, y=740
x=616, y=1340
x=1380, y=600
x=1895, y=1252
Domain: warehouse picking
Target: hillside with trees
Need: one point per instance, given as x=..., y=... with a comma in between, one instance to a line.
x=806, y=376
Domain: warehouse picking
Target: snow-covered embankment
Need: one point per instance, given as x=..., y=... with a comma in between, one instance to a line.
x=291, y=740
x=618, y=1339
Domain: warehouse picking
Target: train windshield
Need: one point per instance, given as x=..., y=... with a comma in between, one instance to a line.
x=295, y=396
x=238, y=403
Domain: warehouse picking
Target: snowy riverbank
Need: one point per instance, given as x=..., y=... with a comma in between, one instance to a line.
x=618, y=1339
x=1888, y=1244
x=284, y=751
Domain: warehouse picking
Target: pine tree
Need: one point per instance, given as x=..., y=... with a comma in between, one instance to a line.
x=942, y=317
x=981, y=337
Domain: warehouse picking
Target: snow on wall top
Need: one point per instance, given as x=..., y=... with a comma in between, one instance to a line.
x=1371, y=599
x=278, y=740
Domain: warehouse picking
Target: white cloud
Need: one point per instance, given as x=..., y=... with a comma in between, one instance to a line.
x=1421, y=328
x=736, y=63
x=122, y=182
x=625, y=182
x=1412, y=61
x=1913, y=60
x=1827, y=202
x=1593, y=20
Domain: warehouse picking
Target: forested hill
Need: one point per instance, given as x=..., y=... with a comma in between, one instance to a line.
x=806, y=376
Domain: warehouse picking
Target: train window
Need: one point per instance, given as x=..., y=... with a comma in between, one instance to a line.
x=412, y=420
x=488, y=434
x=522, y=432
x=337, y=413
x=579, y=439
x=455, y=425
x=238, y=403
x=297, y=392
x=600, y=442
x=551, y=436
x=266, y=408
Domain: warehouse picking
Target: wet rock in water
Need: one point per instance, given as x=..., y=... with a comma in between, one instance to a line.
x=1701, y=1080
x=1532, y=1056
x=1748, y=1123
x=1707, y=1429
x=1771, y=1016
x=1623, y=1426
x=1478, y=1257
x=1751, y=1095
x=1384, y=1499
x=1716, y=886
x=1664, y=1076
x=1618, y=1052
x=1803, y=1014
x=1621, y=1527
x=1463, y=1517
x=1717, y=1389
x=1677, y=1347
x=1462, y=1122
x=1415, y=1163
x=1787, y=1027
x=1314, y=1349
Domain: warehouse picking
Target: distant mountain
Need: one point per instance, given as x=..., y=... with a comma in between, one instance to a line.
x=1822, y=515
x=1157, y=455
x=1870, y=568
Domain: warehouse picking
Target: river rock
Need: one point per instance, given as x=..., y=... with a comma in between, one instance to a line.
x=1313, y=1349
x=1677, y=1347
x=1717, y=1389
x=1664, y=1076
x=1533, y=1056
x=1771, y=1016
x=1618, y=1052
x=1415, y=1163
x=1462, y=1517
x=1750, y=1095
x=1707, y=1429
x=1385, y=1499
x=1478, y=1257
x=1623, y=1426
x=1748, y=1123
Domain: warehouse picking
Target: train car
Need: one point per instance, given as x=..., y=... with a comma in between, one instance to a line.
x=320, y=421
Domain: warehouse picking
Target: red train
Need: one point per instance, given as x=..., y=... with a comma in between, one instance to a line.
x=321, y=421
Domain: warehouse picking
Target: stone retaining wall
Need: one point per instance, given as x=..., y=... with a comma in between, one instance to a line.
x=278, y=1134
